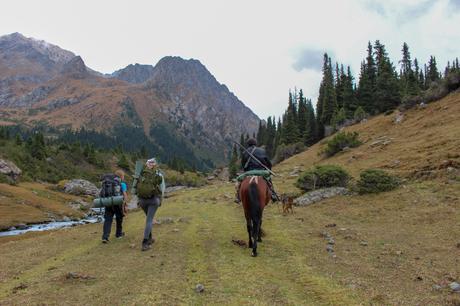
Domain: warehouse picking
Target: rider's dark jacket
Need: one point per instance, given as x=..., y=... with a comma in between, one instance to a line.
x=248, y=163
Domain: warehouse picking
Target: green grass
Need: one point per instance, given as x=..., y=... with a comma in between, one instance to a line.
x=185, y=254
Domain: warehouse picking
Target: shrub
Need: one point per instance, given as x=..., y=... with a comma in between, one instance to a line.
x=285, y=151
x=375, y=181
x=323, y=176
x=359, y=114
x=340, y=141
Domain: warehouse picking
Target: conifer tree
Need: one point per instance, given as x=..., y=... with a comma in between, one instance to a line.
x=350, y=103
x=233, y=164
x=367, y=82
x=408, y=77
x=387, y=94
x=431, y=74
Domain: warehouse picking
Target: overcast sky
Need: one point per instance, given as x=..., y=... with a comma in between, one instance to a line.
x=259, y=49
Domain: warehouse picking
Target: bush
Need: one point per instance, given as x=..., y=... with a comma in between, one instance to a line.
x=375, y=181
x=340, y=141
x=359, y=114
x=323, y=176
x=285, y=151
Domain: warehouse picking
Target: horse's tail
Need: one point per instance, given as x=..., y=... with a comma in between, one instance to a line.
x=254, y=204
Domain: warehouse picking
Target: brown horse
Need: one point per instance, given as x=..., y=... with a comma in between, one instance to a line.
x=255, y=194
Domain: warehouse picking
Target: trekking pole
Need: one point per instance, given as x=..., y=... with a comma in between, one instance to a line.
x=255, y=158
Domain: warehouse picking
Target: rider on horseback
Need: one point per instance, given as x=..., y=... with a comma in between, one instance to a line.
x=249, y=163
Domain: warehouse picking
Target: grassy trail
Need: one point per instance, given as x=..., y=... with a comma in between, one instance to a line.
x=198, y=250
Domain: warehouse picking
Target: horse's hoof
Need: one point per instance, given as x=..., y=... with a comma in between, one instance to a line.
x=254, y=254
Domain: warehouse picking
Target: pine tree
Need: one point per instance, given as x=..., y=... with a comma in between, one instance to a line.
x=330, y=100
x=367, y=82
x=432, y=74
x=408, y=77
x=302, y=116
x=123, y=162
x=350, y=103
x=387, y=94
x=290, y=132
x=233, y=163
x=311, y=136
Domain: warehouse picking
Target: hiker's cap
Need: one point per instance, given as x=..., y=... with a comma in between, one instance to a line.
x=251, y=142
x=151, y=161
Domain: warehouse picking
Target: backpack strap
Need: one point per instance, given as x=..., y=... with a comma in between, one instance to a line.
x=249, y=159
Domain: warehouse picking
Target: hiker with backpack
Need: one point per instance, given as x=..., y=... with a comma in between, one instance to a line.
x=150, y=190
x=113, y=185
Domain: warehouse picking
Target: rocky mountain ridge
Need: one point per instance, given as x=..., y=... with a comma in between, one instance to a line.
x=176, y=99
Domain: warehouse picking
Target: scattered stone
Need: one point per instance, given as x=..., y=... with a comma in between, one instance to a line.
x=325, y=234
x=419, y=278
x=399, y=118
x=75, y=275
x=211, y=178
x=300, y=219
x=399, y=253
x=10, y=169
x=319, y=195
x=330, y=225
x=239, y=242
x=176, y=230
x=199, y=288
x=12, y=228
x=21, y=226
x=20, y=287
x=348, y=237
x=81, y=187
x=330, y=248
x=165, y=220
x=132, y=246
x=343, y=229
x=330, y=241
x=66, y=219
x=437, y=287
x=184, y=219
x=454, y=286
x=363, y=243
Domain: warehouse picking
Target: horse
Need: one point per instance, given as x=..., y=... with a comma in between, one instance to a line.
x=254, y=194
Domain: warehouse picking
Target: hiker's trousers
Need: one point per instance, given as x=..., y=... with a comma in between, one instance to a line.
x=149, y=206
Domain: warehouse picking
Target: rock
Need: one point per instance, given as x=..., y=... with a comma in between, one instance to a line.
x=66, y=219
x=399, y=253
x=330, y=241
x=184, y=220
x=21, y=226
x=240, y=243
x=174, y=188
x=20, y=287
x=75, y=275
x=437, y=287
x=330, y=225
x=199, y=288
x=176, y=230
x=319, y=195
x=9, y=169
x=329, y=248
x=454, y=286
x=12, y=228
x=211, y=178
x=165, y=220
x=81, y=187
x=399, y=118
x=363, y=243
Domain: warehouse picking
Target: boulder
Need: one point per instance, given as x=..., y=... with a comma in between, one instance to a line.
x=81, y=187
x=319, y=195
x=10, y=169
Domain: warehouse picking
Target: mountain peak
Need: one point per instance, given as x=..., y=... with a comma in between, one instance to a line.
x=136, y=73
x=75, y=68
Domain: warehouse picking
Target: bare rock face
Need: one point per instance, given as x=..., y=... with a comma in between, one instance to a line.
x=135, y=74
x=81, y=187
x=75, y=68
x=319, y=195
x=10, y=169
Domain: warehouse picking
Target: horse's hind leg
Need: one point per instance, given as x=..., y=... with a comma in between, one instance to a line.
x=255, y=234
x=249, y=227
x=259, y=237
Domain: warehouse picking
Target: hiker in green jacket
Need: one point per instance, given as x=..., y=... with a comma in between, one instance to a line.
x=150, y=191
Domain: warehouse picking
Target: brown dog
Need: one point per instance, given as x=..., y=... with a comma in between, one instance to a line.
x=288, y=203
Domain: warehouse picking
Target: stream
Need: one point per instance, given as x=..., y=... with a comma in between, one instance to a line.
x=54, y=225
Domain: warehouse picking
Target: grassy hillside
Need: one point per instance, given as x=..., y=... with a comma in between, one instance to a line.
x=390, y=248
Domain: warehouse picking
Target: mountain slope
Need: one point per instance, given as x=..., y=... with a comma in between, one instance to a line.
x=176, y=104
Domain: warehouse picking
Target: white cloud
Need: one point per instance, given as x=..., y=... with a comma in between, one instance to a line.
x=251, y=46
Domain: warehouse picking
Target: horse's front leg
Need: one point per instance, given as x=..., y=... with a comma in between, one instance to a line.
x=249, y=227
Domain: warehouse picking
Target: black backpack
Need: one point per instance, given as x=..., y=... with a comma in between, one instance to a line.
x=111, y=186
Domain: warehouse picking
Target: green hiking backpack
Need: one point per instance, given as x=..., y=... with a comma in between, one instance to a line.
x=149, y=185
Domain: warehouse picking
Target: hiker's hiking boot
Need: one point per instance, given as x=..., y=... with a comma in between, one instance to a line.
x=105, y=240
x=275, y=197
x=146, y=245
x=121, y=235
